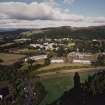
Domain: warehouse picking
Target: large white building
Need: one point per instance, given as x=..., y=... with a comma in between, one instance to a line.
x=82, y=58
x=82, y=61
x=35, y=58
x=36, y=45
x=57, y=61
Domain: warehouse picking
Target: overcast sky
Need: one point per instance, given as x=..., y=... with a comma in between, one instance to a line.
x=51, y=13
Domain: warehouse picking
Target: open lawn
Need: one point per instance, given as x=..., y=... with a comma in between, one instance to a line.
x=57, y=85
x=53, y=66
x=59, y=67
x=59, y=82
x=10, y=58
x=60, y=79
x=26, y=51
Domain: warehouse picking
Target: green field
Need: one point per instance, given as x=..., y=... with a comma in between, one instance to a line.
x=10, y=58
x=58, y=67
x=57, y=85
x=54, y=66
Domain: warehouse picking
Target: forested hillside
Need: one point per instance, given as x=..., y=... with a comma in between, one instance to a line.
x=84, y=33
x=66, y=31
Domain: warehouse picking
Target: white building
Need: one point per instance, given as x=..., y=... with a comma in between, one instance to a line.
x=35, y=58
x=57, y=61
x=36, y=45
x=1, y=97
x=82, y=58
x=49, y=46
x=82, y=61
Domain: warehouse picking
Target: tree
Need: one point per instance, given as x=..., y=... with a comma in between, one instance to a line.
x=30, y=62
x=76, y=80
x=60, y=51
x=100, y=60
x=47, y=61
x=1, y=60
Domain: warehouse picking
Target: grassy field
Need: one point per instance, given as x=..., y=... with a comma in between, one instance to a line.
x=59, y=67
x=25, y=51
x=53, y=66
x=10, y=58
x=57, y=85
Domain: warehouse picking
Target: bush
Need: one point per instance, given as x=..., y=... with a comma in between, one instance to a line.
x=47, y=61
x=1, y=60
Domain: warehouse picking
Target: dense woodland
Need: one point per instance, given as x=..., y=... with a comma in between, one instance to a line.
x=82, y=33
x=75, y=33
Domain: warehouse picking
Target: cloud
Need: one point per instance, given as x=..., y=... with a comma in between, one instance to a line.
x=8, y=23
x=29, y=1
x=69, y=1
x=42, y=14
x=96, y=19
x=20, y=10
x=34, y=10
x=65, y=1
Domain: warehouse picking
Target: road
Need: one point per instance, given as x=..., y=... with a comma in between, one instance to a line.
x=64, y=72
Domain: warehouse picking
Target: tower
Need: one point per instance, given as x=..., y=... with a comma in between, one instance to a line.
x=76, y=80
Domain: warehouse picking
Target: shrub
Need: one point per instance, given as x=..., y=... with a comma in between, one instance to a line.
x=1, y=60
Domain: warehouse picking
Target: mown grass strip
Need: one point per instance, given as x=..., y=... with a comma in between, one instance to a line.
x=60, y=68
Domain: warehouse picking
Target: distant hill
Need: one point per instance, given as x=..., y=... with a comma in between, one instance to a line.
x=84, y=33
x=76, y=33
x=11, y=33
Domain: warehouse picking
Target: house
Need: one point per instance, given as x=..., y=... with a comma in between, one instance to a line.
x=57, y=61
x=82, y=61
x=6, y=90
x=36, y=45
x=1, y=97
x=49, y=46
x=83, y=58
x=35, y=58
x=45, y=44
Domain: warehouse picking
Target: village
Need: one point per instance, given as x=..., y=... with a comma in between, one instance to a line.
x=62, y=50
x=46, y=57
x=52, y=52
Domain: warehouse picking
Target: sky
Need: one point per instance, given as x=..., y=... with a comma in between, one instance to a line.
x=51, y=13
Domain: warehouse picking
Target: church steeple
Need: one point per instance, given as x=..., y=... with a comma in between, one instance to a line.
x=76, y=80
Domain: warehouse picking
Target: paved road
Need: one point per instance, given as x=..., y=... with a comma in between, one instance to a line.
x=48, y=74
